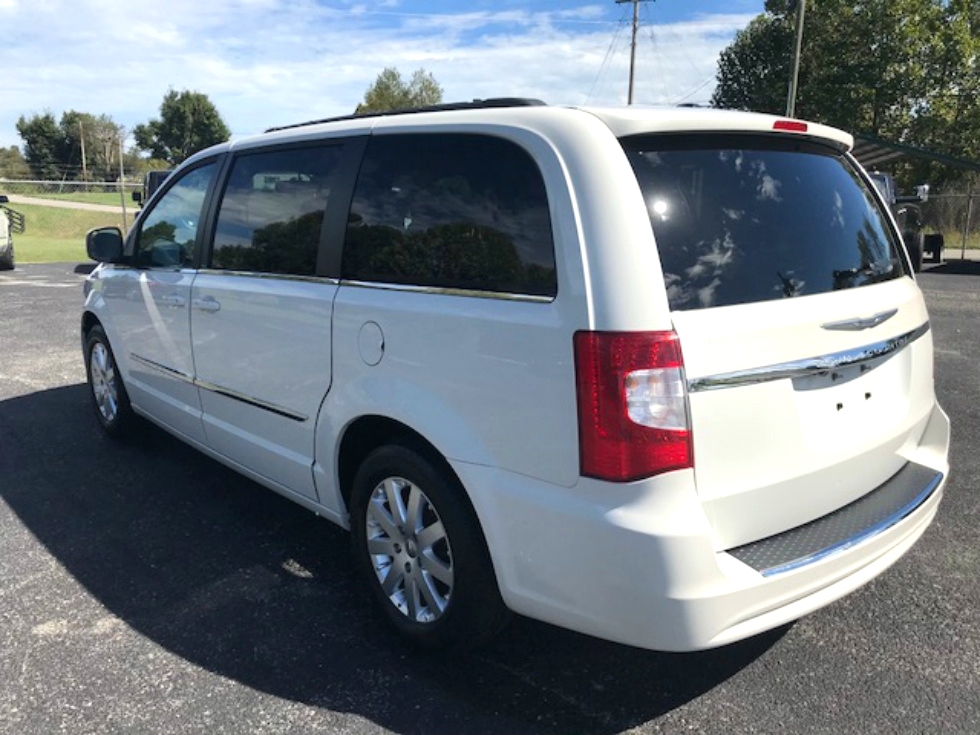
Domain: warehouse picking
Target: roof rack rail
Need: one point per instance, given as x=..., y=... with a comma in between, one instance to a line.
x=473, y=105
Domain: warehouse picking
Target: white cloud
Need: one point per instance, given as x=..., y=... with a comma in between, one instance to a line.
x=272, y=62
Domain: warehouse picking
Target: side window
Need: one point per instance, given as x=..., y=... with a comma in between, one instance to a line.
x=168, y=233
x=452, y=211
x=272, y=211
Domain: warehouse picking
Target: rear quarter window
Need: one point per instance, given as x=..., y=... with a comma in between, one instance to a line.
x=455, y=211
x=742, y=219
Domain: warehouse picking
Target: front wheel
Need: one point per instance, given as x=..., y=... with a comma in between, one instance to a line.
x=419, y=546
x=105, y=385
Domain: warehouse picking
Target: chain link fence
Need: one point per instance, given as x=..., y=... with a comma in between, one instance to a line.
x=65, y=189
x=956, y=217
x=63, y=211
x=68, y=209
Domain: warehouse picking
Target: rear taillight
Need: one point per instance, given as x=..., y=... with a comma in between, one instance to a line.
x=632, y=405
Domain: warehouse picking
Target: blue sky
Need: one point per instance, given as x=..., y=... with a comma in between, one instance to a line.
x=273, y=62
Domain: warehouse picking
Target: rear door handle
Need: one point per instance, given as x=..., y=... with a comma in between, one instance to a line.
x=208, y=304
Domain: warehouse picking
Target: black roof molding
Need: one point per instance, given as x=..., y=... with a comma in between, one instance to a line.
x=472, y=105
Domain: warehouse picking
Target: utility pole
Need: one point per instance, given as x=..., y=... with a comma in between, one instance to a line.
x=636, y=26
x=81, y=138
x=795, y=66
x=122, y=193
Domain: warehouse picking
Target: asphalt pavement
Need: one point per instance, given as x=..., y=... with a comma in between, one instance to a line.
x=147, y=589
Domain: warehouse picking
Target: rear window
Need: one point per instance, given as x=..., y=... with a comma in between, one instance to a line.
x=740, y=219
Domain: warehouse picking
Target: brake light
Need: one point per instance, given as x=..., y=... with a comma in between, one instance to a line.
x=632, y=405
x=793, y=126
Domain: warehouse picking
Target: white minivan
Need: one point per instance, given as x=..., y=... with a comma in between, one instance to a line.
x=662, y=376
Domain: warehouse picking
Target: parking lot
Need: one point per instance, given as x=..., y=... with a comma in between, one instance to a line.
x=147, y=589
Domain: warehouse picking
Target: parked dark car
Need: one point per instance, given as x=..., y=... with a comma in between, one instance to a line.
x=151, y=182
x=908, y=216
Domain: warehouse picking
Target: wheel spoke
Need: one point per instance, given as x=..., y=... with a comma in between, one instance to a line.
x=436, y=567
x=412, y=596
x=381, y=546
x=99, y=357
x=413, y=516
x=431, y=535
x=396, y=505
x=392, y=580
x=433, y=600
x=379, y=515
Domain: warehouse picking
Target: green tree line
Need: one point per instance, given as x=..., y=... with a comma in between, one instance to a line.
x=902, y=70
x=83, y=146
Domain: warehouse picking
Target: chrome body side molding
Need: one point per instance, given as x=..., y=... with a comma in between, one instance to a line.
x=228, y=393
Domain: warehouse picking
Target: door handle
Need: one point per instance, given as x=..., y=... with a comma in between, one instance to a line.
x=173, y=300
x=208, y=304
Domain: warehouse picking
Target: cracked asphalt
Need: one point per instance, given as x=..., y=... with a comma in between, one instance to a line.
x=147, y=589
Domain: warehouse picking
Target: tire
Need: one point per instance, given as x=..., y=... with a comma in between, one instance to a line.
x=914, y=244
x=935, y=244
x=109, y=397
x=7, y=263
x=419, y=547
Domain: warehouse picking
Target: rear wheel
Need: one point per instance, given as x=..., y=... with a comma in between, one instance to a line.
x=420, y=548
x=105, y=385
x=913, y=241
x=935, y=244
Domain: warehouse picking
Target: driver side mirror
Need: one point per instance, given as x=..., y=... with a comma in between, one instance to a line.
x=104, y=244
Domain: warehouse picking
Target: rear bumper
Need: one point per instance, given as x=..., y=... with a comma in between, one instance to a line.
x=637, y=564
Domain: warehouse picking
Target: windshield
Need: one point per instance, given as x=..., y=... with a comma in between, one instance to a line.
x=740, y=219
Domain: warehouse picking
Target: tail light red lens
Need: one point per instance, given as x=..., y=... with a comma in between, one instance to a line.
x=792, y=126
x=632, y=405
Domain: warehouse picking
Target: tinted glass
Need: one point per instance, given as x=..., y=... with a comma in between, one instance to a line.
x=168, y=234
x=742, y=219
x=453, y=211
x=272, y=211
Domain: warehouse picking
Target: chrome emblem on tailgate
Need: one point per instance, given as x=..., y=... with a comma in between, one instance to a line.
x=856, y=325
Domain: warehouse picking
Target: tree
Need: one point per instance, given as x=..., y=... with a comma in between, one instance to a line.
x=390, y=92
x=92, y=143
x=79, y=143
x=43, y=145
x=188, y=123
x=12, y=164
x=902, y=70
x=949, y=117
x=864, y=66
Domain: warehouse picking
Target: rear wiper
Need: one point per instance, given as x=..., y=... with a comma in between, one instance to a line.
x=872, y=270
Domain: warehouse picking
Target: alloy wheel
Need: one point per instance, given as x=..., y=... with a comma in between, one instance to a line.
x=409, y=550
